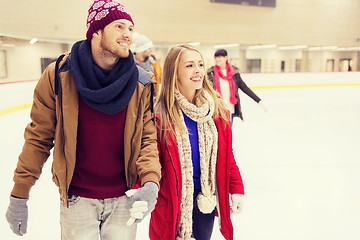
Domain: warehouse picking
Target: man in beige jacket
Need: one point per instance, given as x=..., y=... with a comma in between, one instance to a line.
x=96, y=111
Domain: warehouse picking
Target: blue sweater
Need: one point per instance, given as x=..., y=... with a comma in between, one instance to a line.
x=195, y=155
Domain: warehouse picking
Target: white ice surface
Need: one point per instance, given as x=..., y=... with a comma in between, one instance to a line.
x=300, y=162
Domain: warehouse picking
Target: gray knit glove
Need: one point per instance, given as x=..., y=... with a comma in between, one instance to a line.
x=17, y=215
x=142, y=201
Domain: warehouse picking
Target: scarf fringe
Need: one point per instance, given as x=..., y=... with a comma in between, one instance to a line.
x=206, y=204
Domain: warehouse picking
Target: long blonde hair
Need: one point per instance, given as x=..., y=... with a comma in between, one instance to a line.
x=166, y=107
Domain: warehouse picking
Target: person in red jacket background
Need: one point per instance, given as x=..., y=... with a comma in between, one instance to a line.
x=195, y=150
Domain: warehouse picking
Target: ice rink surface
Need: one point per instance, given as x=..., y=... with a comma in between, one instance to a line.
x=300, y=161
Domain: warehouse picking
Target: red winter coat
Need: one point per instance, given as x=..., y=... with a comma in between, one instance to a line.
x=165, y=218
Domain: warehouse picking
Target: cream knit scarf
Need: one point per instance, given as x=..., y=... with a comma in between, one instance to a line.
x=201, y=113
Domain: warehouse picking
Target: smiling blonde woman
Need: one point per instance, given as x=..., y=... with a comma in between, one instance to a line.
x=199, y=171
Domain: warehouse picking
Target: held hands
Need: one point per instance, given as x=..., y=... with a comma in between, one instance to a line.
x=237, y=203
x=141, y=201
x=17, y=215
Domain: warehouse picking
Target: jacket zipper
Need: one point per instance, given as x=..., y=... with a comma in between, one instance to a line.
x=177, y=188
x=63, y=146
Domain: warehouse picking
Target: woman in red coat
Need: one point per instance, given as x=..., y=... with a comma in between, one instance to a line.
x=199, y=171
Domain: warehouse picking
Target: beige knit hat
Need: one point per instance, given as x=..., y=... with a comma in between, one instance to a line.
x=140, y=43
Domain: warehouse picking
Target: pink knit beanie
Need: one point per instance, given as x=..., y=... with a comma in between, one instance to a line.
x=103, y=12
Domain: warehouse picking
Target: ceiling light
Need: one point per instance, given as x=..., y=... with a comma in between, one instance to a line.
x=347, y=49
x=293, y=47
x=33, y=40
x=262, y=46
x=329, y=47
x=194, y=43
x=315, y=48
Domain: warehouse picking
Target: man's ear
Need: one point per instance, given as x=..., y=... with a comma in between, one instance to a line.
x=97, y=34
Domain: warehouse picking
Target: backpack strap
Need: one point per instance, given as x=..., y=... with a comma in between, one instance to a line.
x=152, y=98
x=57, y=80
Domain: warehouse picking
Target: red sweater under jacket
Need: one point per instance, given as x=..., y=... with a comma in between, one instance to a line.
x=99, y=169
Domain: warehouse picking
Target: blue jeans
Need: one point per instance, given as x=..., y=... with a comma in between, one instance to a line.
x=202, y=223
x=89, y=219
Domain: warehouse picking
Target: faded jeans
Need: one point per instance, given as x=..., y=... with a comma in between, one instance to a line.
x=94, y=219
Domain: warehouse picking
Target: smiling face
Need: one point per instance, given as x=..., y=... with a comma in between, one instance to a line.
x=190, y=73
x=116, y=38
